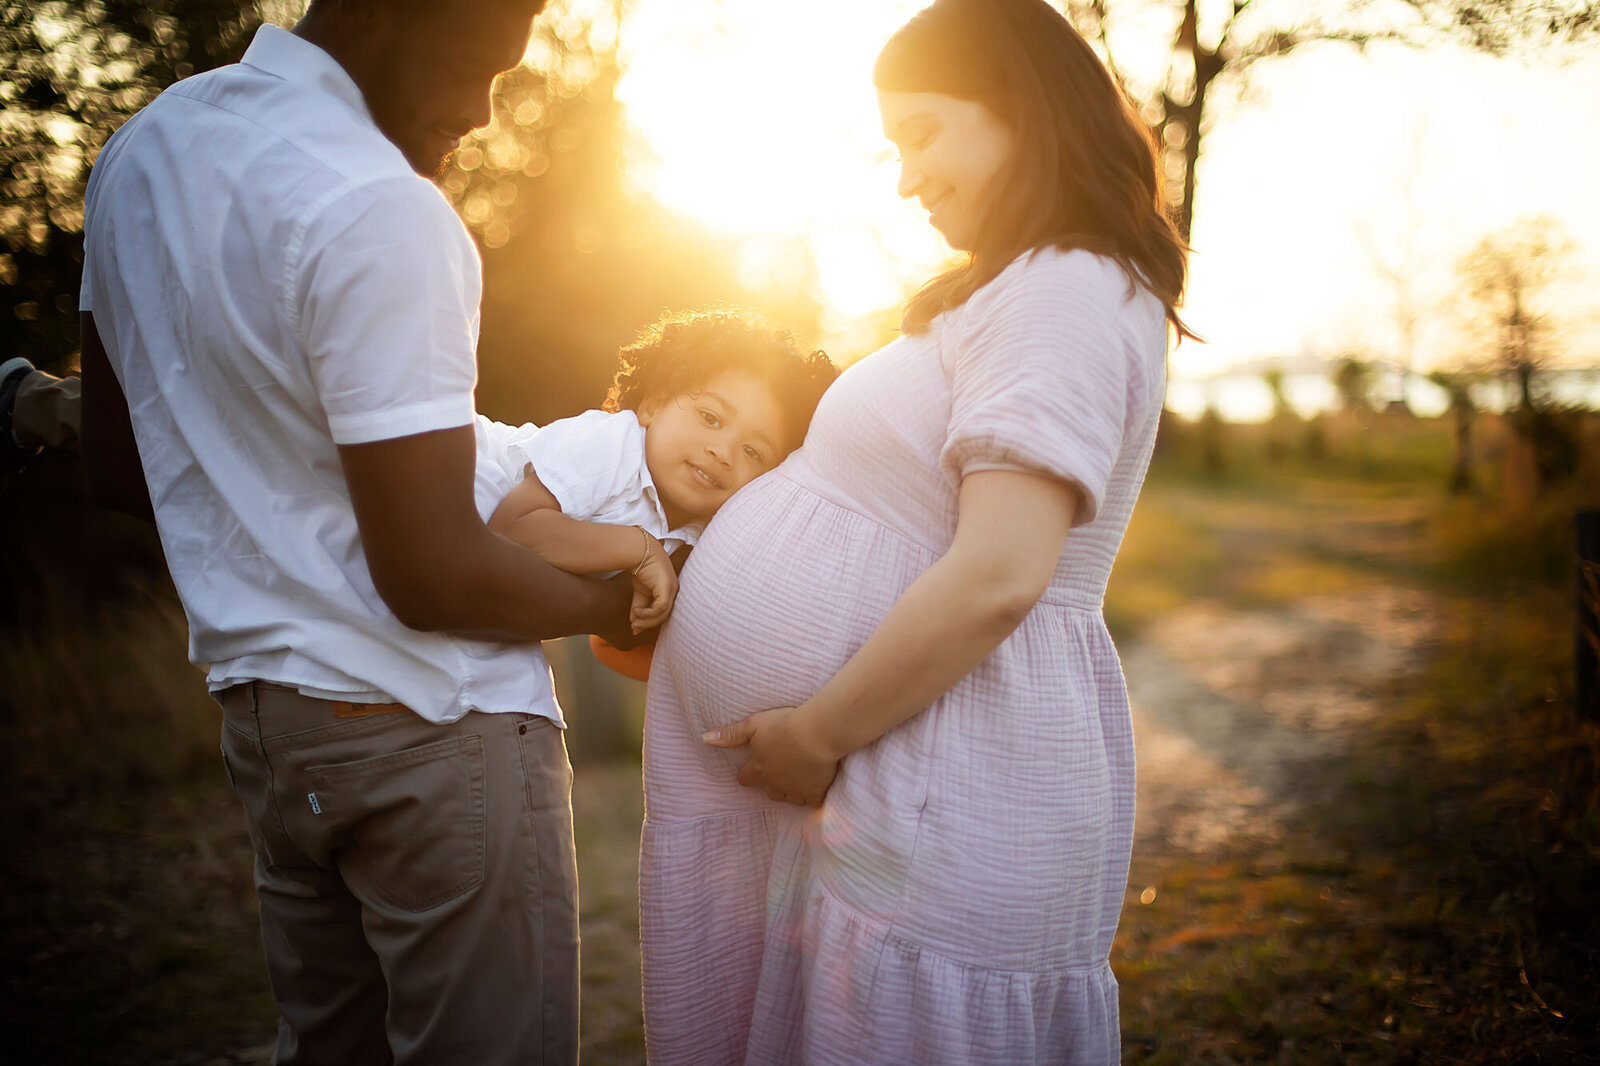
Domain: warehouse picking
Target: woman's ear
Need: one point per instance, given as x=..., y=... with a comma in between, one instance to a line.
x=646, y=411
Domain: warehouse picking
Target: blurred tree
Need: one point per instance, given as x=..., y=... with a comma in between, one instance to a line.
x=1282, y=414
x=1464, y=411
x=1502, y=26
x=1212, y=42
x=1274, y=380
x=1353, y=377
x=70, y=74
x=1212, y=432
x=1508, y=276
x=1204, y=46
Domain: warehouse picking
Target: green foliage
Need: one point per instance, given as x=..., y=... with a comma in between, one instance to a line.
x=70, y=74
x=1393, y=450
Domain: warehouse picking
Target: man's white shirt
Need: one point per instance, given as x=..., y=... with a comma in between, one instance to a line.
x=272, y=280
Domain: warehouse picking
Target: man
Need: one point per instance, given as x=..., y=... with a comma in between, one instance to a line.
x=280, y=318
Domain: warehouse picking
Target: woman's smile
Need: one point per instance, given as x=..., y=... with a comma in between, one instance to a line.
x=951, y=153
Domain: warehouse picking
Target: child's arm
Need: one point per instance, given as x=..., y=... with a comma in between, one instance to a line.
x=531, y=516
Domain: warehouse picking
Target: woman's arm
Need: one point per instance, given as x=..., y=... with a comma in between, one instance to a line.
x=1009, y=532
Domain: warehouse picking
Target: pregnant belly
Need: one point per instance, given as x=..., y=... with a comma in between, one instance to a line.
x=781, y=590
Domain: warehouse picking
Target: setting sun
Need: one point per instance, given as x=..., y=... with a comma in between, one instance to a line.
x=759, y=120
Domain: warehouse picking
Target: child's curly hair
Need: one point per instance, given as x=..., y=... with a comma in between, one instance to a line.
x=682, y=351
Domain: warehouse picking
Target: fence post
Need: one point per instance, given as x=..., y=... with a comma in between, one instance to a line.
x=1586, y=650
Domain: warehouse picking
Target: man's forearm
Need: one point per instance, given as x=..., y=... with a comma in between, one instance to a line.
x=439, y=568
x=497, y=590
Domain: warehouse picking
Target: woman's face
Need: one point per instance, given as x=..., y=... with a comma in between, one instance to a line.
x=951, y=151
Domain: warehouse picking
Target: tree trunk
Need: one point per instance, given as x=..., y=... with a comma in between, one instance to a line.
x=1461, y=472
x=1188, y=115
x=1524, y=370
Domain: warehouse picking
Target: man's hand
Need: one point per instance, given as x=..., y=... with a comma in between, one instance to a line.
x=655, y=586
x=786, y=757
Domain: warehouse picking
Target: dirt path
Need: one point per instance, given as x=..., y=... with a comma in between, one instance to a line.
x=1231, y=705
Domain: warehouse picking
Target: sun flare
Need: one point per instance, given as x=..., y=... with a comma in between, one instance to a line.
x=759, y=120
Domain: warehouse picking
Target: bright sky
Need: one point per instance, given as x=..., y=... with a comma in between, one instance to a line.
x=759, y=119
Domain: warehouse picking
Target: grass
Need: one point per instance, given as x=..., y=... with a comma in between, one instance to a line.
x=1435, y=902
x=1431, y=902
x=128, y=923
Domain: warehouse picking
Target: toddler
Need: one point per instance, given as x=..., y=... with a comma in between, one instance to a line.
x=702, y=403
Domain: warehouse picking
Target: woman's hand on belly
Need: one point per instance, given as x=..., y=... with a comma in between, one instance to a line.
x=787, y=758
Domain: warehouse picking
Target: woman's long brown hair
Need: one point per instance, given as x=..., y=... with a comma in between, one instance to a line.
x=1084, y=174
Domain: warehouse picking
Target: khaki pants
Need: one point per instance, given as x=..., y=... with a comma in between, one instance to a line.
x=418, y=883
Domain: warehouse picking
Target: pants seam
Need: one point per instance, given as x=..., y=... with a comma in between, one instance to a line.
x=272, y=778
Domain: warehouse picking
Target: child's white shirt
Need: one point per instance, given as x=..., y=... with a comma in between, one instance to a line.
x=593, y=464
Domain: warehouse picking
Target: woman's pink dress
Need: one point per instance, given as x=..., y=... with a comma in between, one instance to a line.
x=954, y=900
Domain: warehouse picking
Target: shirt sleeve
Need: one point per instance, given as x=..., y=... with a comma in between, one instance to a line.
x=1042, y=375
x=386, y=302
x=90, y=241
x=590, y=463
x=86, y=285
x=498, y=467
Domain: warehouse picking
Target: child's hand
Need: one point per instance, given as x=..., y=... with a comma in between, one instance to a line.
x=655, y=586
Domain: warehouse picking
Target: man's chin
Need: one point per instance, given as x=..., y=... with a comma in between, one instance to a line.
x=435, y=173
x=429, y=165
x=426, y=159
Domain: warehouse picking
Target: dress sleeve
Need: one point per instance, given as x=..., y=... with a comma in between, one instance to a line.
x=590, y=463
x=1041, y=374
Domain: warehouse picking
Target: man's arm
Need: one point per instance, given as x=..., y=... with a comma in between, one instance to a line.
x=439, y=568
x=106, y=443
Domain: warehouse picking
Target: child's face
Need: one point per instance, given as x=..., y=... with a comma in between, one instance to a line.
x=703, y=445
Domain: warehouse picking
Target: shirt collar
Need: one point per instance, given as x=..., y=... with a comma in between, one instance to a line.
x=294, y=59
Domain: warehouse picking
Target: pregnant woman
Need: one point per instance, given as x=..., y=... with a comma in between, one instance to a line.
x=903, y=602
